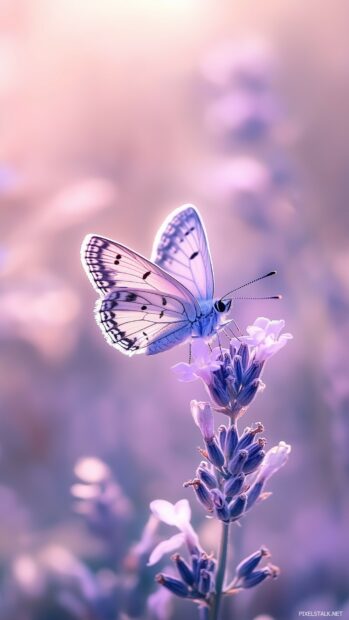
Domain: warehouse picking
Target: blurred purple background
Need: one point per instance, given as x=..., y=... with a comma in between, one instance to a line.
x=112, y=114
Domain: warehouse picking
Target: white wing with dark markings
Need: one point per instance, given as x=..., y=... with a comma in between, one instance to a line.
x=137, y=321
x=181, y=249
x=143, y=308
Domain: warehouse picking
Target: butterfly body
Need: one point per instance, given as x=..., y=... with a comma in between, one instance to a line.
x=206, y=324
x=151, y=306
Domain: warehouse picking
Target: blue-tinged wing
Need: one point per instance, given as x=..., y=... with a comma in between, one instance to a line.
x=110, y=265
x=181, y=249
x=139, y=321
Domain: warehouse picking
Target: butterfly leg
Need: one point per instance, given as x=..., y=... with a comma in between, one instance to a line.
x=227, y=326
x=237, y=327
x=219, y=343
x=189, y=361
x=227, y=335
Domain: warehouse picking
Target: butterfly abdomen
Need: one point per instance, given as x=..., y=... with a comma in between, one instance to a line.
x=168, y=341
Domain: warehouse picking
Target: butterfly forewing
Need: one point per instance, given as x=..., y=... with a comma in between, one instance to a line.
x=111, y=265
x=181, y=249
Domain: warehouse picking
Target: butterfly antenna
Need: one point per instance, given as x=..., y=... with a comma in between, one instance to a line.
x=266, y=275
x=269, y=297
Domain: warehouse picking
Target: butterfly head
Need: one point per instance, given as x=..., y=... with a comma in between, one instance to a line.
x=222, y=305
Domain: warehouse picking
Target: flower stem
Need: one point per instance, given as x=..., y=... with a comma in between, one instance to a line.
x=203, y=613
x=223, y=551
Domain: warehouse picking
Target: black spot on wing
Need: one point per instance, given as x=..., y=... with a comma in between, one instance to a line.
x=146, y=275
x=194, y=254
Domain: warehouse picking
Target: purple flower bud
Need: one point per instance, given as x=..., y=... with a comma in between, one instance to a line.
x=203, y=418
x=238, y=369
x=203, y=495
x=204, y=582
x=206, y=476
x=222, y=435
x=244, y=354
x=220, y=505
x=253, y=372
x=195, y=563
x=254, y=461
x=218, y=390
x=246, y=439
x=256, y=577
x=214, y=452
x=231, y=442
x=249, y=564
x=232, y=350
x=248, y=393
x=249, y=435
x=184, y=570
x=238, y=461
x=234, y=485
x=254, y=493
x=206, y=562
x=174, y=585
x=237, y=506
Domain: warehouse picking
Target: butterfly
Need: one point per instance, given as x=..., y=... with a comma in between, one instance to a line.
x=149, y=306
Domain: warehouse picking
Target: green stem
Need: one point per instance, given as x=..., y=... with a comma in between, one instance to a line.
x=223, y=551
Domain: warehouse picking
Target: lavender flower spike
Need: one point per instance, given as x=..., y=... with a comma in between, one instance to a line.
x=231, y=478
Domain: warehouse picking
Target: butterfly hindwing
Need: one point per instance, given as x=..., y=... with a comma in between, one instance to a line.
x=139, y=321
x=181, y=249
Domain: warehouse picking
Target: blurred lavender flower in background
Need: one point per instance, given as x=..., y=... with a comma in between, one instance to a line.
x=100, y=500
x=56, y=579
x=244, y=106
x=250, y=130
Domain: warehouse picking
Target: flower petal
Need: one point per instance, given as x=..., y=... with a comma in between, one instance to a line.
x=185, y=372
x=164, y=510
x=275, y=327
x=203, y=418
x=166, y=546
x=183, y=511
x=274, y=459
x=199, y=349
x=262, y=322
